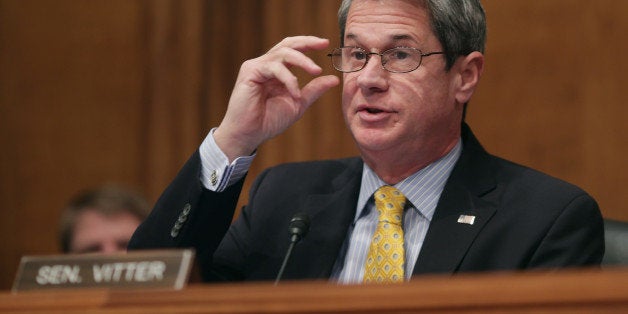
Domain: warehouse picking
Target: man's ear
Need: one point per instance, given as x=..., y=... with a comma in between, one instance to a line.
x=469, y=69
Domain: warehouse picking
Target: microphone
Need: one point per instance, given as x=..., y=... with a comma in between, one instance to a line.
x=299, y=226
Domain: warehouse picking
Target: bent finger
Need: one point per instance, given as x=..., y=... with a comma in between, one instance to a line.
x=281, y=73
x=303, y=43
x=299, y=59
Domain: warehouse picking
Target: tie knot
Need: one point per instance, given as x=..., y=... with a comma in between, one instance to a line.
x=390, y=203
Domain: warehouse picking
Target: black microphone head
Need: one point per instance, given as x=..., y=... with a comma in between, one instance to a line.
x=299, y=225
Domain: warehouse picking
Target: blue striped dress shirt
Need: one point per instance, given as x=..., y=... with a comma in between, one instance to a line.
x=422, y=189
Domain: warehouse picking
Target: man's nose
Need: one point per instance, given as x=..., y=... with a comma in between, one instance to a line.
x=373, y=77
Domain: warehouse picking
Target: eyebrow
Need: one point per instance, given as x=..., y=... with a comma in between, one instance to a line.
x=396, y=37
x=351, y=36
x=402, y=37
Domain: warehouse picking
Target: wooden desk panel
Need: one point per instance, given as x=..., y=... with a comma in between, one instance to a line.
x=557, y=292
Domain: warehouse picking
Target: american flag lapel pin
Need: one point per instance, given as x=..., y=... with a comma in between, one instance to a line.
x=466, y=219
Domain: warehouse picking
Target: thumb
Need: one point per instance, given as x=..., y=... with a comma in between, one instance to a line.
x=317, y=87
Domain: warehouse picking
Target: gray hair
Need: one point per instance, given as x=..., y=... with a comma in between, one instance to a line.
x=459, y=25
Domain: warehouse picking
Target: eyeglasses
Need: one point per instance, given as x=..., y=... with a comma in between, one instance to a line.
x=395, y=60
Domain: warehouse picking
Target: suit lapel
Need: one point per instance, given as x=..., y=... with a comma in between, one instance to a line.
x=330, y=214
x=447, y=239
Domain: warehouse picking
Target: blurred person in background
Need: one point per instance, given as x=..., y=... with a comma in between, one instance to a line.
x=101, y=220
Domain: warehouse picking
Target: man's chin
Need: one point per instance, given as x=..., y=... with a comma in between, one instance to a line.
x=373, y=142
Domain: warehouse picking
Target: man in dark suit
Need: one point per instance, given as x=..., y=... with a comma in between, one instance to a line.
x=410, y=67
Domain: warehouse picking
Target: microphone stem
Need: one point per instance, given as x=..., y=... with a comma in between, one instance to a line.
x=293, y=241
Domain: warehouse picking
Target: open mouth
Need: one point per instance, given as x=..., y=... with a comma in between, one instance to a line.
x=373, y=110
x=374, y=114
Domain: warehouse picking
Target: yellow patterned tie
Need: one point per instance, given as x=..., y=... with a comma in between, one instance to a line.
x=386, y=257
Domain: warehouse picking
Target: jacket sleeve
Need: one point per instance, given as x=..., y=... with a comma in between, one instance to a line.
x=188, y=216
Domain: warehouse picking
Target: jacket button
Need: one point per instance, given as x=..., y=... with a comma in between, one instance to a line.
x=183, y=217
x=174, y=232
x=186, y=209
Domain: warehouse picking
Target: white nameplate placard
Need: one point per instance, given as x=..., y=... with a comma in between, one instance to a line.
x=136, y=269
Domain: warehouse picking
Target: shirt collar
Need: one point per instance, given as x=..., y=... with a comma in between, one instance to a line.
x=428, y=180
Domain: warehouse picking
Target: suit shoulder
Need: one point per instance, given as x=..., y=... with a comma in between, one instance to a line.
x=308, y=177
x=329, y=167
x=529, y=180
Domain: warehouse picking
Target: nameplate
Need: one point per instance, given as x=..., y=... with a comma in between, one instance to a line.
x=167, y=269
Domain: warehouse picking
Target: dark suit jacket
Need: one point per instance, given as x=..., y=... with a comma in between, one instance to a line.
x=524, y=219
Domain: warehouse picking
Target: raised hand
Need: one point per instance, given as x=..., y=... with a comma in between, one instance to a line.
x=267, y=99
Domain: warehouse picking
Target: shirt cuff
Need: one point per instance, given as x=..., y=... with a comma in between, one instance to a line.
x=216, y=172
